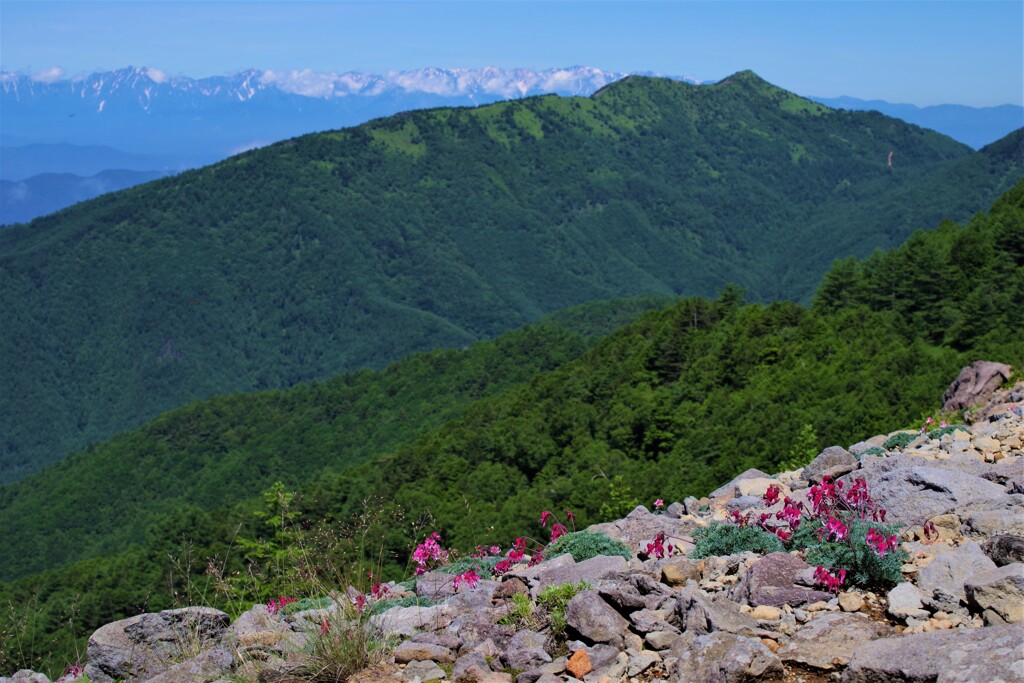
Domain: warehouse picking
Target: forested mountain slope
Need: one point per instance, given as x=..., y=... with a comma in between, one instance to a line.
x=673, y=404
x=219, y=452
x=435, y=228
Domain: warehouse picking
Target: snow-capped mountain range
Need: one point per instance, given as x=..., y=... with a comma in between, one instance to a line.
x=146, y=86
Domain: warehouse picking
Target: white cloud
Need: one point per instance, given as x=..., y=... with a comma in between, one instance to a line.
x=48, y=75
x=305, y=82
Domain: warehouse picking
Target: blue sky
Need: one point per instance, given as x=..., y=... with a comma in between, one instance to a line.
x=902, y=50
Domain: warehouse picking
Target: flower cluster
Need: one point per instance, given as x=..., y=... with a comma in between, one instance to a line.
x=929, y=422
x=829, y=580
x=515, y=555
x=469, y=578
x=275, y=606
x=483, y=551
x=429, y=554
x=658, y=548
x=558, y=529
x=881, y=543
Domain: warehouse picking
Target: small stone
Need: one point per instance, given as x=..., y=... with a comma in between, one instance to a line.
x=579, y=664
x=851, y=602
x=987, y=444
x=817, y=606
x=766, y=612
x=772, y=645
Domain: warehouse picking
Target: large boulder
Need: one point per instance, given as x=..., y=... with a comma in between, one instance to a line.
x=942, y=581
x=149, y=644
x=911, y=495
x=640, y=527
x=729, y=490
x=992, y=655
x=591, y=570
x=998, y=594
x=834, y=461
x=726, y=658
x=588, y=615
x=828, y=641
x=1004, y=550
x=975, y=381
x=772, y=581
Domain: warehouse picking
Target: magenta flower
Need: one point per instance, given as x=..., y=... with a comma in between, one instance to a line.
x=880, y=543
x=558, y=530
x=771, y=496
x=468, y=577
x=544, y=517
x=829, y=580
x=835, y=530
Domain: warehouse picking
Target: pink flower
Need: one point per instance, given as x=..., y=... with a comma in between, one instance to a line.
x=880, y=543
x=544, y=517
x=943, y=424
x=558, y=530
x=325, y=627
x=360, y=602
x=378, y=591
x=658, y=504
x=835, y=529
x=495, y=550
x=929, y=421
x=831, y=581
x=468, y=577
x=429, y=553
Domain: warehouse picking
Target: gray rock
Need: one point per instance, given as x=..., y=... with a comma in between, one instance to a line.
x=942, y=581
x=1004, y=550
x=692, y=505
x=742, y=503
x=661, y=640
x=435, y=585
x=544, y=671
x=641, y=662
x=472, y=660
x=640, y=526
x=729, y=490
x=25, y=676
x=911, y=495
x=406, y=621
x=147, y=644
x=726, y=658
x=525, y=651
x=588, y=615
x=422, y=672
x=410, y=651
x=697, y=614
x=1000, y=516
x=987, y=655
x=624, y=597
x=210, y=665
x=998, y=594
x=675, y=510
x=829, y=640
x=905, y=602
x=592, y=570
x=648, y=621
x=974, y=381
x=772, y=581
x=834, y=461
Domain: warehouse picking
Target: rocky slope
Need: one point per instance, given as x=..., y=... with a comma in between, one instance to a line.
x=956, y=615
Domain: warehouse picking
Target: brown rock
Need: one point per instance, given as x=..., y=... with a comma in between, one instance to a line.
x=579, y=664
x=851, y=602
x=680, y=571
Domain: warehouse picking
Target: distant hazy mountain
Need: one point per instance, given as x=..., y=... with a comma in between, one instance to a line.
x=975, y=126
x=21, y=161
x=23, y=200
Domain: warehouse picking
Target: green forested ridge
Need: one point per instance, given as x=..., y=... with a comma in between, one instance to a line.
x=435, y=228
x=219, y=452
x=673, y=404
